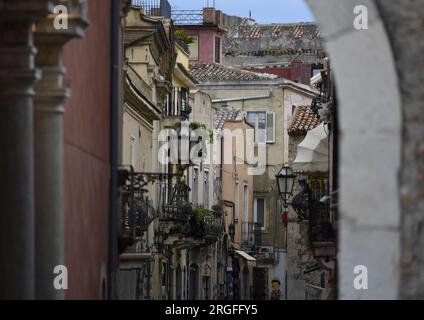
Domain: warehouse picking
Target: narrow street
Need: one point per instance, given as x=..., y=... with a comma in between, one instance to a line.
x=209, y=150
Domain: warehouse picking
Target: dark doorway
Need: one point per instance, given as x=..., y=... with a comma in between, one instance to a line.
x=259, y=284
x=194, y=282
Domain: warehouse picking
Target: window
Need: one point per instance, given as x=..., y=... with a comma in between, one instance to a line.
x=217, y=50
x=183, y=100
x=206, y=190
x=264, y=123
x=316, y=68
x=132, y=151
x=245, y=214
x=259, y=211
x=194, y=48
x=195, y=186
x=171, y=102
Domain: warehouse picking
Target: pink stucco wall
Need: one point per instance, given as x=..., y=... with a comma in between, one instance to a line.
x=88, y=62
x=206, y=43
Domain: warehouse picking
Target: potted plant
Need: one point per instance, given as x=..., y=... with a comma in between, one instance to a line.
x=218, y=209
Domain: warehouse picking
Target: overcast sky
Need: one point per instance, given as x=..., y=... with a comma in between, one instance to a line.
x=263, y=11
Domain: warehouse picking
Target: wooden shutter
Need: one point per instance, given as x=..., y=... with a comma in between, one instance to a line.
x=270, y=127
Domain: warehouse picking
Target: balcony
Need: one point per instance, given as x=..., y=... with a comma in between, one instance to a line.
x=209, y=223
x=154, y=8
x=265, y=255
x=136, y=212
x=251, y=235
x=178, y=108
x=187, y=17
x=139, y=82
x=214, y=228
x=321, y=232
x=189, y=227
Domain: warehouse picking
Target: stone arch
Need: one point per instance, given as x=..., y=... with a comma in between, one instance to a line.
x=369, y=107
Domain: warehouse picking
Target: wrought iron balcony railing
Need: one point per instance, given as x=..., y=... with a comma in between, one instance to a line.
x=214, y=227
x=251, y=234
x=187, y=17
x=178, y=104
x=178, y=207
x=320, y=227
x=137, y=211
x=154, y=8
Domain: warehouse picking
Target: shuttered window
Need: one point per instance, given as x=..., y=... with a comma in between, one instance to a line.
x=264, y=123
x=270, y=127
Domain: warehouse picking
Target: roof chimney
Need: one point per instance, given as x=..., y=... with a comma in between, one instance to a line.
x=209, y=16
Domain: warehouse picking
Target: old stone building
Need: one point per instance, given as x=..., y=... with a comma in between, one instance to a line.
x=265, y=101
x=62, y=151
x=305, y=272
x=290, y=51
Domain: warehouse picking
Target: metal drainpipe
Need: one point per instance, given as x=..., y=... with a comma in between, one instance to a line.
x=114, y=116
x=232, y=205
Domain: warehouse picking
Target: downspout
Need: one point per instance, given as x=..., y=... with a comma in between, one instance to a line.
x=232, y=205
x=113, y=182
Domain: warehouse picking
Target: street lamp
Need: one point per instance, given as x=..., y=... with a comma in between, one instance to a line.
x=285, y=181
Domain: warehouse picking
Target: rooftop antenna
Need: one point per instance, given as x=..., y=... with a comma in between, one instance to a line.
x=208, y=1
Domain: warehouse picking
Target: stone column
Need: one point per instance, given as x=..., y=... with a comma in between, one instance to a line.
x=51, y=94
x=17, y=79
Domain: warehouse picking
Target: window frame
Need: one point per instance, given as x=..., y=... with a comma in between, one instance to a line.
x=267, y=140
x=195, y=41
x=195, y=183
x=255, y=211
x=206, y=200
x=217, y=46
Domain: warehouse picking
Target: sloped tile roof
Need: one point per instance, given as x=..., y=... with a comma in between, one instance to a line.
x=223, y=115
x=304, y=119
x=217, y=72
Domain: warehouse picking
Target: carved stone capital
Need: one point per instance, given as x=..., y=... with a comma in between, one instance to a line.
x=77, y=21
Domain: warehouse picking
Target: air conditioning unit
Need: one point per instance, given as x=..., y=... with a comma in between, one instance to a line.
x=266, y=249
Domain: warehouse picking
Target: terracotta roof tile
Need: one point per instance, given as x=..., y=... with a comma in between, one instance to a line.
x=217, y=72
x=304, y=119
x=298, y=31
x=223, y=115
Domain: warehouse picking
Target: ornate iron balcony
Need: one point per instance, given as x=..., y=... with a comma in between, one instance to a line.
x=251, y=234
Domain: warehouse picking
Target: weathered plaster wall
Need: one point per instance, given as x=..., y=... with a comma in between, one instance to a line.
x=299, y=253
x=370, y=148
x=404, y=22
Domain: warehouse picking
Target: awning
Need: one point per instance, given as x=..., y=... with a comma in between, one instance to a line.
x=312, y=152
x=251, y=262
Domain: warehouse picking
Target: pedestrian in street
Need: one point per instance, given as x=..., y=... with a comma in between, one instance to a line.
x=276, y=292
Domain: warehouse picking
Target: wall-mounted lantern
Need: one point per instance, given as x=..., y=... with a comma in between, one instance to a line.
x=285, y=181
